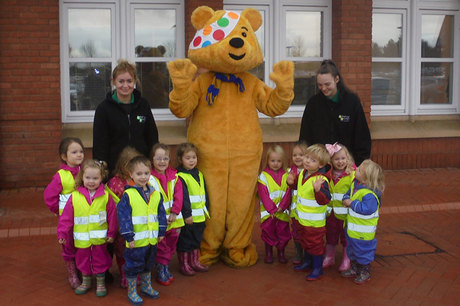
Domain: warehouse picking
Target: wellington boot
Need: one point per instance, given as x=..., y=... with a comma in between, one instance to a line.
x=298, y=253
x=85, y=285
x=133, y=297
x=268, y=254
x=184, y=263
x=146, y=286
x=281, y=257
x=329, y=258
x=345, y=265
x=306, y=264
x=101, y=290
x=317, y=271
x=74, y=281
x=195, y=262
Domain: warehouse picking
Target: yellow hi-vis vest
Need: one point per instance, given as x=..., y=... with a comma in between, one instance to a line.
x=276, y=193
x=292, y=210
x=167, y=200
x=337, y=193
x=362, y=227
x=309, y=212
x=197, y=196
x=144, y=217
x=68, y=185
x=90, y=221
x=115, y=198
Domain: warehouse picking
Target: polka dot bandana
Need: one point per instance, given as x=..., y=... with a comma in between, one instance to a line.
x=216, y=31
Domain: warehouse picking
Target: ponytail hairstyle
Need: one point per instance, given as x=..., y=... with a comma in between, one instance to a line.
x=91, y=163
x=329, y=67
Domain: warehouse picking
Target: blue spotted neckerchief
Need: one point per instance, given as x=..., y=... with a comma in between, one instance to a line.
x=213, y=91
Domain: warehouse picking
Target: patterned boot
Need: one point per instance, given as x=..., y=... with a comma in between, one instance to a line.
x=364, y=274
x=329, y=258
x=133, y=297
x=195, y=262
x=146, y=286
x=162, y=277
x=317, y=271
x=169, y=274
x=101, y=290
x=74, y=281
x=298, y=253
x=85, y=285
x=352, y=271
x=184, y=264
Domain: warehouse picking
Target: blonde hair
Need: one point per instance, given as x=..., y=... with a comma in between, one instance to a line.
x=121, y=168
x=91, y=163
x=184, y=148
x=122, y=67
x=375, y=179
x=350, y=160
x=301, y=145
x=319, y=152
x=276, y=149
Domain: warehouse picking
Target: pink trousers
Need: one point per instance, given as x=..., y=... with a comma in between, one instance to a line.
x=93, y=260
x=335, y=231
x=275, y=232
x=167, y=246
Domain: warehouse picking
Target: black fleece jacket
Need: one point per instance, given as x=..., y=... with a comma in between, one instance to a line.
x=117, y=126
x=325, y=121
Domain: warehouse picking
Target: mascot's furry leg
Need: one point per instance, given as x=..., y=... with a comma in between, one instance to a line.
x=231, y=189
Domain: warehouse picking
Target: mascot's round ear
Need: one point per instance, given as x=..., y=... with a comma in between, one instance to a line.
x=200, y=16
x=254, y=18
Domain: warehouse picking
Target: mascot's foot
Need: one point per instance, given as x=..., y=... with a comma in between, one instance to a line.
x=240, y=258
x=208, y=257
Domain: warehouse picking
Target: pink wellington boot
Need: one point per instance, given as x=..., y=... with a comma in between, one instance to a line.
x=329, y=258
x=345, y=265
x=184, y=264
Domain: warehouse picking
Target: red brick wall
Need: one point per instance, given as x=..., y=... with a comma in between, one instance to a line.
x=30, y=107
x=352, y=48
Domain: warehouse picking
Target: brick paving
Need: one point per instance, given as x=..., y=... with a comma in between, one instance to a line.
x=417, y=259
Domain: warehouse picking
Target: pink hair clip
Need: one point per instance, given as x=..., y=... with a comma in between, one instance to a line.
x=332, y=149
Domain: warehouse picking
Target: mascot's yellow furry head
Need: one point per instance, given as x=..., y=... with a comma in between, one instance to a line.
x=225, y=41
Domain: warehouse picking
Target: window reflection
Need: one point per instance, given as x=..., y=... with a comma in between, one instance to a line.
x=154, y=83
x=304, y=81
x=155, y=28
x=89, y=33
x=386, y=84
x=386, y=35
x=304, y=35
x=437, y=35
x=436, y=83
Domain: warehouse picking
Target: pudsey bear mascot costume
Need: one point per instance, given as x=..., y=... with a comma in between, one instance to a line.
x=224, y=125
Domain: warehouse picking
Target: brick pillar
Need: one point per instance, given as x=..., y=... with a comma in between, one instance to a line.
x=190, y=5
x=30, y=107
x=352, y=46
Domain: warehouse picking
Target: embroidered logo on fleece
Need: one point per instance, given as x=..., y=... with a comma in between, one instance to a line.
x=141, y=119
x=344, y=118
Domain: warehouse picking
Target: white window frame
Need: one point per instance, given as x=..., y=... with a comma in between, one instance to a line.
x=274, y=30
x=411, y=77
x=122, y=25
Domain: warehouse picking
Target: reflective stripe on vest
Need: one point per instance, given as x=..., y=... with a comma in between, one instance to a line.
x=90, y=221
x=362, y=227
x=276, y=193
x=197, y=196
x=309, y=212
x=144, y=217
x=68, y=185
x=337, y=192
x=168, y=200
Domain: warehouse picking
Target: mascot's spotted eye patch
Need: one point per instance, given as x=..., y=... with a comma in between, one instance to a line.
x=216, y=31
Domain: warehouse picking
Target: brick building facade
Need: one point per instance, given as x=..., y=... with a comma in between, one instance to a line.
x=30, y=99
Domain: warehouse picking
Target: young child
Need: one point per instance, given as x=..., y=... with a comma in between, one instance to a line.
x=57, y=193
x=91, y=214
x=142, y=222
x=194, y=210
x=364, y=199
x=297, y=166
x=341, y=175
x=116, y=187
x=163, y=178
x=312, y=197
x=275, y=199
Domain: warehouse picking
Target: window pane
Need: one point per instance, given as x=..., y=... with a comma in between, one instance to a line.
x=89, y=33
x=436, y=83
x=155, y=33
x=386, y=35
x=259, y=71
x=89, y=83
x=386, y=84
x=304, y=35
x=437, y=35
x=304, y=81
x=154, y=83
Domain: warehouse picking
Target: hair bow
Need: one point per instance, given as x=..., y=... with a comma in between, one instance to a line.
x=332, y=149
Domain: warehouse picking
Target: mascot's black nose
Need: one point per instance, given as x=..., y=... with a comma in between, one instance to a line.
x=236, y=42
